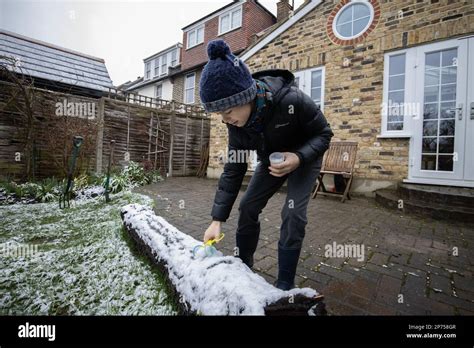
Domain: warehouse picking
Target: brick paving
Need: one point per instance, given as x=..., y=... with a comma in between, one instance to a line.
x=408, y=269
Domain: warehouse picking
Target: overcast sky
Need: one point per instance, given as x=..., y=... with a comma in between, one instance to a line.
x=120, y=32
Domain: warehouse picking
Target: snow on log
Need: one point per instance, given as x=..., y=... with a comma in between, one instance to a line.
x=215, y=285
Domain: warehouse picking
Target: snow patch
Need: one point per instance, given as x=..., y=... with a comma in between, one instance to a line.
x=215, y=285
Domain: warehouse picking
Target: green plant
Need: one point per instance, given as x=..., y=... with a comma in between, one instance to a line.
x=30, y=189
x=9, y=187
x=135, y=173
x=20, y=191
x=81, y=181
x=153, y=176
x=117, y=183
x=49, y=190
x=95, y=179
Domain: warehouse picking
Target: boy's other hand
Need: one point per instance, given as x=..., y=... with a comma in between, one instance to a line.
x=291, y=162
x=212, y=231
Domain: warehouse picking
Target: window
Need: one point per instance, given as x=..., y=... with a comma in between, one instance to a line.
x=396, y=93
x=353, y=19
x=398, y=106
x=157, y=66
x=159, y=91
x=189, y=88
x=200, y=35
x=311, y=82
x=164, y=64
x=195, y=37
x=147, y=70
x=191, y=38
x=230, y=20
x=174, y=57
x=316, y=86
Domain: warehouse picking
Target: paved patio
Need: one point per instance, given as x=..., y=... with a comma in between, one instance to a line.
x=408, y=267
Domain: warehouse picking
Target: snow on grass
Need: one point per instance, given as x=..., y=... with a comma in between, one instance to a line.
x=216, y=285
x=85, y=263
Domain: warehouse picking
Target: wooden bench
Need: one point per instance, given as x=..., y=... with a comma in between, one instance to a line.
x=339, y=159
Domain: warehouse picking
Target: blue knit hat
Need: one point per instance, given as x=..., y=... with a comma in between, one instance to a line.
x=225, y=81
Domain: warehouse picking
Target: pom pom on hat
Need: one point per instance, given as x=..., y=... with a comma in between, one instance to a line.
x=218, y=49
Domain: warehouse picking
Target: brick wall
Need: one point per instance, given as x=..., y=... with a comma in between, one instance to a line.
x=256, y=19
x=309, y=44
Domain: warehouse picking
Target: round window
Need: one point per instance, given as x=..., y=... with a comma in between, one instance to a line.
x=353, y=19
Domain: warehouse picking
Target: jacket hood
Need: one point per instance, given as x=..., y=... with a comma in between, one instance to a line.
x=278, y=80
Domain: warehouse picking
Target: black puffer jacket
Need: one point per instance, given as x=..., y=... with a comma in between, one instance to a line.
x=292, y=123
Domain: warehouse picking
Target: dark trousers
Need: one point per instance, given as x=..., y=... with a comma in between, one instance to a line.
x=262, y=186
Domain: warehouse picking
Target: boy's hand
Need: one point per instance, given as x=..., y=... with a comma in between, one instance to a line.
x=213, y=231
x=292, y=161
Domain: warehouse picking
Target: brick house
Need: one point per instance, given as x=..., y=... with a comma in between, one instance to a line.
x=238, y=23
x=396, y=76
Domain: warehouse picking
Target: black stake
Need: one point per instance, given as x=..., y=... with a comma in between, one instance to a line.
x=107, y=181
x=66, y=195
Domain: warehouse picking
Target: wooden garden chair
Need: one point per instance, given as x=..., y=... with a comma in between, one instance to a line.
x=339, y=159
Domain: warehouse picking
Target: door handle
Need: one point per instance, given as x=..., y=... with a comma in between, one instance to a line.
x=472, y=111
x=458, y=110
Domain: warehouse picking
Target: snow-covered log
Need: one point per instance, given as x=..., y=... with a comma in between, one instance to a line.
x=213, y=285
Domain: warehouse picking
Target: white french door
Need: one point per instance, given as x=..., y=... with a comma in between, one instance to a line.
x=441, y=149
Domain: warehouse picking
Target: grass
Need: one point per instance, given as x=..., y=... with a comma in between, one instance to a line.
x=85, y=264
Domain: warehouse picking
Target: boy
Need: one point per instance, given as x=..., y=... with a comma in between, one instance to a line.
x=265, y=112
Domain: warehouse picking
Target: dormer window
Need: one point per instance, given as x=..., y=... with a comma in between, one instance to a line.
x=230, y=20
x=174, y=57
x=164, y=64
x=195, y=36
x=147, y=70
x=157, y=66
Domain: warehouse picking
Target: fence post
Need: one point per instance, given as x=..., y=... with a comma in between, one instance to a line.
x=150, y=130
x=172, y=122
x=100, y=136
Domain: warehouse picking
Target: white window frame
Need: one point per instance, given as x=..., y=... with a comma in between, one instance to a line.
x=159, y=87
x=157, y=66
x=174, y=62
x=232, y=26
x=148, y=70
x=304, y=77
x=409, y=96
x=189, y=88
x=195, y=31
x=351, y=3
x=164, y=64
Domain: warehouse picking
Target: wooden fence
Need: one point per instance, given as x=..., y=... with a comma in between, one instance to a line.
x=169, y=135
